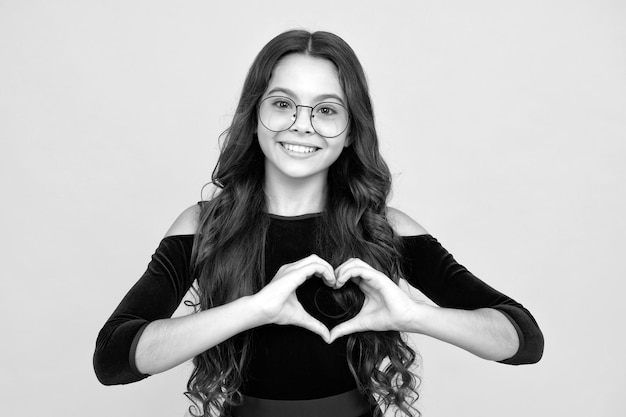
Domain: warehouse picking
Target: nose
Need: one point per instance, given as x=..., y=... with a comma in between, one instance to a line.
x=302, y=123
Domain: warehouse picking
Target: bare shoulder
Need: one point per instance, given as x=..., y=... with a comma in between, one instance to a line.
x=403, y=224
x=186, y=223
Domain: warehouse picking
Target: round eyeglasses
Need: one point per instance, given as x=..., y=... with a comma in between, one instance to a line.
x=279, y=113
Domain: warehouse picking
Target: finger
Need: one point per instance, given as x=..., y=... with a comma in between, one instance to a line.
x=345, y=265
x=328, y=275
x=317, y=269
x=365, y=273
x=351, y=264
x=315, y=258
x=330, y=278
x=305, y=261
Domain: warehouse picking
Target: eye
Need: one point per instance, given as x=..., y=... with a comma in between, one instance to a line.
x=281, y=103
x=328, y=110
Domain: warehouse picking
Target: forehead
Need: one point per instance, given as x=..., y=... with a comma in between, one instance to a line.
x=306, y=77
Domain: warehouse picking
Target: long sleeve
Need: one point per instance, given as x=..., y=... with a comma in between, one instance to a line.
x=155, y=296
x=431, y=268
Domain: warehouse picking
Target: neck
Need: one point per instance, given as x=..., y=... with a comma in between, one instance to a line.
x=295, y=196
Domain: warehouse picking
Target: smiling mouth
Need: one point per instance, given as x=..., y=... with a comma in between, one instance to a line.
x=298, y=148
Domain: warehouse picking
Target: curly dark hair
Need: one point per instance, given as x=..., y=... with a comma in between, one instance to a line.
x=230, y=243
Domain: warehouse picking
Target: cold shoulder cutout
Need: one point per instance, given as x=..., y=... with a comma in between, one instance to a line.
x=187, y=222
x=403, y=224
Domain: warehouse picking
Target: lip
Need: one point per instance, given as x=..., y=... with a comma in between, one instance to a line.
x=309, y=145
x=298, y=154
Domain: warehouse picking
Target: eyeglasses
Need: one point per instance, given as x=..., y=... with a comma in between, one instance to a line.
x=279, y=113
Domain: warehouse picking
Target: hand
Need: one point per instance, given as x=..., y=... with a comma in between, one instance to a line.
x=386, y=306
x=278, y=300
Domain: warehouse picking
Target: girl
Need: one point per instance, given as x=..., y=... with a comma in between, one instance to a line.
x=297, y=260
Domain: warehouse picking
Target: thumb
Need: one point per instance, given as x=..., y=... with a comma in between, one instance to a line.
x=345, y=328
x=311, y=324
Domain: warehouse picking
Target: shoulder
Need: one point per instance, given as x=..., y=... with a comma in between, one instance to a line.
x=403, y=224
x=186, y=223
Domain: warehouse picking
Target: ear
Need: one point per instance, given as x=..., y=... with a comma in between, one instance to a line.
x=348, y=141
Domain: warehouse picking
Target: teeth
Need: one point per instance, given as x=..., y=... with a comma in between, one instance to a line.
x=298, y=148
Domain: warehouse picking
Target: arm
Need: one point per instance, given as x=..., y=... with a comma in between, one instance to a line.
x=168, y=343
x=486, y=322
x=472, y=315
x=485, y=332
x=165, y=343
x=155, y=296
x=140, y=338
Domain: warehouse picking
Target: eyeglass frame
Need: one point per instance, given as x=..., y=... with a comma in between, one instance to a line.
x=310, y=116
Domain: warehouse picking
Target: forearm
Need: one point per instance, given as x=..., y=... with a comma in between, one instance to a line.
x=485, y=332
x=167, y=343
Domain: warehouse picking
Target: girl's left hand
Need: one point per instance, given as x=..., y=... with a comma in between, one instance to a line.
x=386, y=306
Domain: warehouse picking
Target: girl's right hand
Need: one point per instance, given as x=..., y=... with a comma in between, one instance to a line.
x=278, y=301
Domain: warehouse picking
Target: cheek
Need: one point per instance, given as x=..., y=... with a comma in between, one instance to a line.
x=264, y=138
x=337, y=150
x=261, y=131
x=341, y=142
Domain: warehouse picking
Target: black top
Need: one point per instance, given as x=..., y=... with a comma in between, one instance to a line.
x=289, y=362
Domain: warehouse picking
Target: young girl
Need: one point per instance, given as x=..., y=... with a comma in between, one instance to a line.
x=297, y=260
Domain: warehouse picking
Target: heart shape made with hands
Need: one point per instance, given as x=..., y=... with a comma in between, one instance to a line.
x=331, y=306
x=354, y=297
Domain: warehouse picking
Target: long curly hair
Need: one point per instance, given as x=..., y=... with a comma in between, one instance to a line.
x=229, y=255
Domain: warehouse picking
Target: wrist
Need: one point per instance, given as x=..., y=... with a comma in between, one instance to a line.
x=418, y=314
x=257, y=308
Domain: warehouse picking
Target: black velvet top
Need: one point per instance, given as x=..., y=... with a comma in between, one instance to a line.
x=289, y=362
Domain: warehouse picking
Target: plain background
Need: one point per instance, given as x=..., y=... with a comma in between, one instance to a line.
x=504, y=124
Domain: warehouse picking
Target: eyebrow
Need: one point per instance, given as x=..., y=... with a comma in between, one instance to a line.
x=319, y=98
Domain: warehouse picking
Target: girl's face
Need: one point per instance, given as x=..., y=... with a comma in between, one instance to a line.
x=300, y=152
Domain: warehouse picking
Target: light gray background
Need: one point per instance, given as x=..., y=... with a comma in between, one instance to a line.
x=503, y=123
